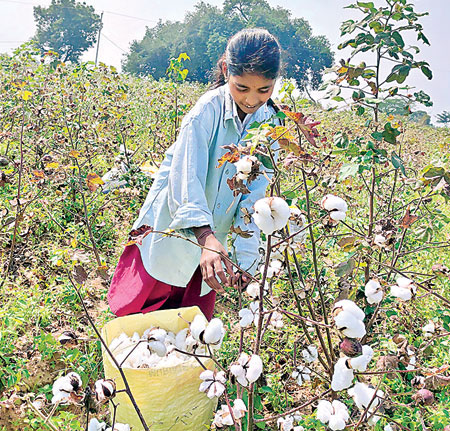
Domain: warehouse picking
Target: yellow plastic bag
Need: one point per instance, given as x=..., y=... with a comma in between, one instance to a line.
x=168, y=398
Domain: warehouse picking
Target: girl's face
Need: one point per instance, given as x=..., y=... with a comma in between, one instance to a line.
x=250, y=91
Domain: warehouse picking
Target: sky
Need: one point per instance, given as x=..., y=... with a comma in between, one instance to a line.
x=125, y=21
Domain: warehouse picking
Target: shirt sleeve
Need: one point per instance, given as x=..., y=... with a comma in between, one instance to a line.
x=187, y=202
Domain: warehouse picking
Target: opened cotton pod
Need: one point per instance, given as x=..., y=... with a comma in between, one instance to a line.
x=168, y=397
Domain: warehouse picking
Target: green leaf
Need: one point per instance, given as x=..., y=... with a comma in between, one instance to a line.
x=427, y=72
x=397, y=162
x=280, y=114
x=265, y=160
x=338, y=99
x=360, y=110
x=368, y=5
x=422, y=37
x=390, y=134
x=348, y=170
x=340, y=140
x=398, y=38
x=378, y=136
x=345, y=268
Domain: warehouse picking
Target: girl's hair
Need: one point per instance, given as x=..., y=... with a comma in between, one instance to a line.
x=252, y=50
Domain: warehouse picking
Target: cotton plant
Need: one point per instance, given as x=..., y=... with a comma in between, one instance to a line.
x=337, y=208
x=274, y=268
x=334, y=414
x=104, y=390
x=210, y=333
x=253, y=289
x=213, y=383
x=342, y=376
x=364, y=395
x=310, y=354
x=276, y=321
x=374, y=292
x=348, y=318
x=301, y=374
x=271, y=214
x=247, y=368
x=223, y=416
x=67, y=389
x=404, y=289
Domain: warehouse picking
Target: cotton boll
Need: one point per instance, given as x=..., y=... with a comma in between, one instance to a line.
x=286, y=423
x=158, y=347
x=388, y=427
x=337, y=216
x=214, y=332
x=253, y=289
x=401, y=293
x=254, y=368
x=324, y=411
x=280, y=212
x=360, y=362
x=239, y=408
x=429, y=329
x=350, y=325
x=310, y=354
x=362, y=394
x=302, y=374
x=404, y=282
x=120, y=427
x=135, y=338
x=374, y=292
x=246, y=317
x=379, y=240
x=276, y=321
x=95, y=425
x=373, y=419
x=342, y=376
x=239, y=372
x=350, y=306
x=336, y=423
x=180, y=339
x=333, y=203
x=104, y=390
x=155, y=334
x=198, y=326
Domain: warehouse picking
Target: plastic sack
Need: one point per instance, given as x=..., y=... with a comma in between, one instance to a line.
x=168, y=398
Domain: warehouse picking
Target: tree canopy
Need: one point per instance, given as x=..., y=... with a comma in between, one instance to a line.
x=67, y=27
x=204, y=33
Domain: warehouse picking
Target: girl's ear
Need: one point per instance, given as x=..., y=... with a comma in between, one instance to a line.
x=224, y=71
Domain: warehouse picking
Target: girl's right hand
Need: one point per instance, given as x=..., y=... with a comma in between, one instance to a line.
x=211, y=264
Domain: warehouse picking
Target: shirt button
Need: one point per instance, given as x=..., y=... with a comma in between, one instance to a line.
x=227, y=172
x=218, y=205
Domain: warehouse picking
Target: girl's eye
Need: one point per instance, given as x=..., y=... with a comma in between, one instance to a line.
x=264, y=91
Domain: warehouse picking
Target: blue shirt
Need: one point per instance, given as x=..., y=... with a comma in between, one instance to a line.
x=191, y=191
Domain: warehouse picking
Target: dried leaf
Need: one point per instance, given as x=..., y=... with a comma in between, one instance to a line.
x=306, y=125
x=74, y=154
x=240, y=232
x=344, y=269
x=231, y=156
x=79, y=274
x=93, y=181
x=102, y=271
x=347, y=242
x=408, y=219
x=279, y=132
x=237, y=186
x=137, y=235
x=247, y=216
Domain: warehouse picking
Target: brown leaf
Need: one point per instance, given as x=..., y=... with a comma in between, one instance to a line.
x=437, y=382
x=93, y=181
x=231, y=156
x=137, y=235
x=3, y=179
x=79, y=274
x=240, y=232
x=408, y=219
x=346, y=243
x=247, y=216
x=237, y=186
x=102, y=271
x=306, y=125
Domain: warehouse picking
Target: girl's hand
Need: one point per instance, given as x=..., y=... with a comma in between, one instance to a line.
x=211, y=264
x=240, y=280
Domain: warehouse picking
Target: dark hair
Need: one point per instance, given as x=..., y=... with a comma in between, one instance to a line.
x=252, y=50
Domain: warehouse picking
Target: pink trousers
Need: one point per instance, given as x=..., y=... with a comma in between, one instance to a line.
x=133, y=290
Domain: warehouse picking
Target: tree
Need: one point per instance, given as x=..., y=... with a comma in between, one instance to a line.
x=67, y=27
x=204, y=33
x=443, y=118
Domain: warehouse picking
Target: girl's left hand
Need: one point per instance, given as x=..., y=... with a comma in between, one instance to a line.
x=240, y=280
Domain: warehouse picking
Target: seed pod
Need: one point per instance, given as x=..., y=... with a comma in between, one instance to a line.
x=351, y=347
x=423, y=396
x=104, y=390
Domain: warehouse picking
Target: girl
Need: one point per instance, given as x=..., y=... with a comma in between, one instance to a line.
x=190, y=193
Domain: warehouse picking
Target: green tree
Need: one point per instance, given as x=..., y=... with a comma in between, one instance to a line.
x=204, y=33
x=443, y=118
x=67, y=27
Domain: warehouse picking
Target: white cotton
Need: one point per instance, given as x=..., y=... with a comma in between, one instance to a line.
x=286, y=423
x=180, y=339
x=388, y=427
x=244, y=164
x=401, y=293
x=404, y=282
x=342, y=376
x=276, y=321
x=120, y=427
x=213, y=383
x=273, y=269
x=302, y=374
x=135, y=338
x=239, y=408
x=155, y=334
x=374, y=292
x=223, y=417
x=64, y=386
x=361, y=362
x=379, y=240
x=214, y=332
x=362, y=394
x=271, y=214
x=297, y=222
x=238, y=371
x=95, y=425
x=429, y=329
x=373, y=419
x=337, y=216
x=351, y=307
x=253, y=289
x=158, y=347
x=350, y=326
x=310, y=354
x=324, y=411
x=246, y=317
x=198, y=326
x=336, y=423
x=334, y=203
x=254, y=368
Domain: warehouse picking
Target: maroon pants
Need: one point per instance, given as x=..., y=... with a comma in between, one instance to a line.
x=133, y=290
